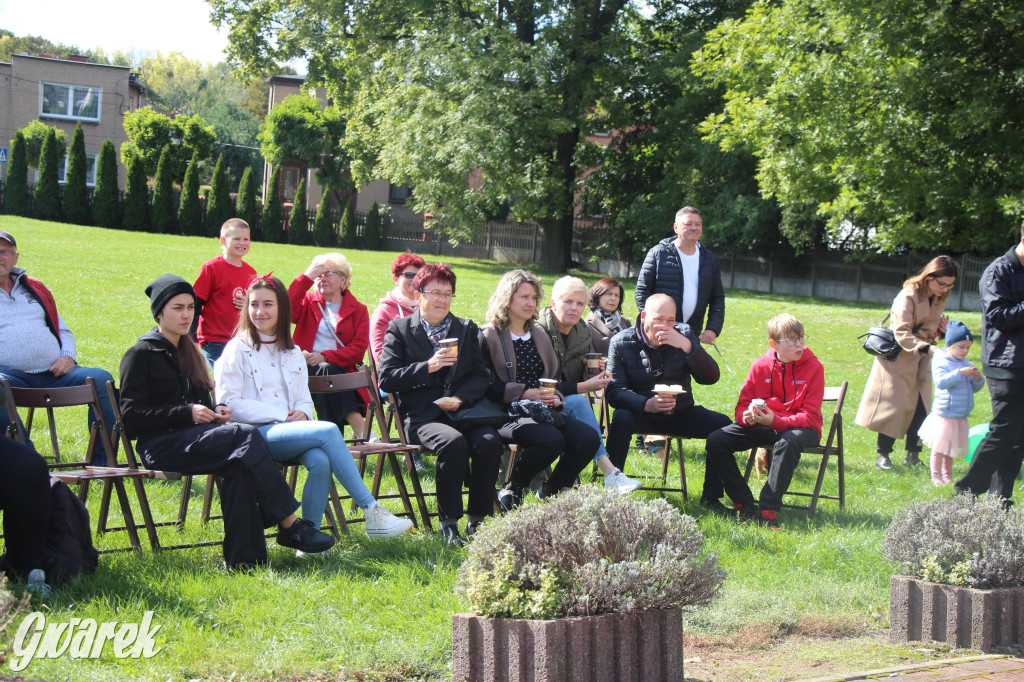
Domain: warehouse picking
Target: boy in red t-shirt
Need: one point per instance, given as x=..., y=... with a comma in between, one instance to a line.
x=220, y=289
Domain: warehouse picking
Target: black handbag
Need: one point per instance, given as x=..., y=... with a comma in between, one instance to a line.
x=880, y=341
x=484, y=412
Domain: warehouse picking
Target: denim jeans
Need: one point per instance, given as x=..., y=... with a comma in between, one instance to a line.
x=212, y=351
x=319, y=446
x=578, y=407
x=76, y=377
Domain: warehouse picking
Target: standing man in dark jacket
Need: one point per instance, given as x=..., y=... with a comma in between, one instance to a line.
x=997, y=460
x=688, y=272
x=657, y=351
x=37, y=349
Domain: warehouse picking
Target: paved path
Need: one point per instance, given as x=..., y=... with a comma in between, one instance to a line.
x=970, y=669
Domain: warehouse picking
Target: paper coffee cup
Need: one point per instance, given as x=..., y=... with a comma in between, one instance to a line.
x=758, y=404
x=593, y=362
x=450, y=346
x=548, y=386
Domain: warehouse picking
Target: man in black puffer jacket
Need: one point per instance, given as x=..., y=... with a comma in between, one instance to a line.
x=657, y=351
x=683, y=269
x=998, y=459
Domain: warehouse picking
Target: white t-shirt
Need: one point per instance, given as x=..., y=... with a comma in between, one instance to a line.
x=325, y=338
x=691, y=268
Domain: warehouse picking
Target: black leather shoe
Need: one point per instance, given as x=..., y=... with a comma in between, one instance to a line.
x=509, y=499
x=883, y=462
x=451, y=536
x=716, y=507
x=304, y=536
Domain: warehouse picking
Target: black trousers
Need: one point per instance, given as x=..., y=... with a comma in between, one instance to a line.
x=913, y=443
x=25, y=501
x=476, y=452
x=997, y=460
x=253, y=494
x=539, y=445
x=696, y=422
x=787, y=447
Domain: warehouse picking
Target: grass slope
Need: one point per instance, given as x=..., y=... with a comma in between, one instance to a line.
x=382, y=609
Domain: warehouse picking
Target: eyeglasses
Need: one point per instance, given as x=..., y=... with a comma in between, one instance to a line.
x=944, y=287
x=8, y=253
x=333, y=273
x=798, y=341
x=443, y=295
x=409, y=275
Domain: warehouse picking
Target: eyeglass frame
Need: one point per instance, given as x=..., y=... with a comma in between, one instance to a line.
x=798, y=341
x=434, y=293
x=8, y=253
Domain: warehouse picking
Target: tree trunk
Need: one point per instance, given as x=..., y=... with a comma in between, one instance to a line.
x=558, y=229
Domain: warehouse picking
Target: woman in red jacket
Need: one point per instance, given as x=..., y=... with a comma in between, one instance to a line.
x=333, y=330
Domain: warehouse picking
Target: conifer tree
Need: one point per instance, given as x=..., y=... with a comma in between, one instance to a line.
x=106, y=200
x=372, y=228
x=47, y=194
x=323, y=224
x=136, y=197
x=163, y=194
x=270, y=221
x=190, y=213
x=245, y=204
x=76, y=194
x=298, y=221
x=16, y=195
x=349, y=228
x=218, y=206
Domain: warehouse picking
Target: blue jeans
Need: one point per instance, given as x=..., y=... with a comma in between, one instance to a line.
x=212, y=351
x=322, y=450
x=75, y=377
x=578, y=407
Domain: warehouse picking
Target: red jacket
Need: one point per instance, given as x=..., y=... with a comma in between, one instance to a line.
x=353, y=326
x=49, y=305
x=793, y=391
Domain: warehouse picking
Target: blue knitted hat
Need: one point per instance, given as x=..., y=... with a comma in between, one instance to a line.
x=956, y=332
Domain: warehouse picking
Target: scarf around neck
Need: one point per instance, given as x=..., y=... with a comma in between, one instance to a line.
x=612, y=320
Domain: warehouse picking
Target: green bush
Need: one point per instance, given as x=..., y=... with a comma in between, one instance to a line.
x=349, y=228
x=219, y=207
x=136, y=196
x=298, y=220
x=372, y=229
x=106, y=199
x=76, y=194
x=16, y=196
x=588, y=552
x=47, y=194
x=246, y=207
x=966, y=541
x=323, y=225
x=270, y=221
x=190, y=212
x=163, y=194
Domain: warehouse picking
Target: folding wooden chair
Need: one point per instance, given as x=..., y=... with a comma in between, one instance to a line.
x=81, y=473
x=361, y=449
x=665, y=456
x=833, y=447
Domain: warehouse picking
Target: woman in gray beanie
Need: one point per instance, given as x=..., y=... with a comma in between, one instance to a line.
x=166, y=405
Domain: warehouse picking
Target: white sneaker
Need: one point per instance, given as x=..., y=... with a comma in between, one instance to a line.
x=374, y=438
x=380, y=523
x=37, y=583
x=621, y=483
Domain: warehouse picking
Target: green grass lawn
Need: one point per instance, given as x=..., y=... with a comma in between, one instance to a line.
x=381, y=609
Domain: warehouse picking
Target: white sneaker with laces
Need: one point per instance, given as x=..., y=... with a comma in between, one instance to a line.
x=380, y=523
x=621, y=483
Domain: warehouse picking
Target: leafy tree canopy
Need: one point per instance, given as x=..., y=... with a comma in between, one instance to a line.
x=11, y=45
x=898, y=124
x=299, y=129
x=148, y=132
x=35, y=134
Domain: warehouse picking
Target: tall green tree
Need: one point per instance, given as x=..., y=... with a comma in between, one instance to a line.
x=106, y=197
x=246, y=207
x=149, y=131
x=898, y=124
x=163, y=194
x=298, y=219
x=323, y=225
x=219, y=207
x=136, y=197
x=76, y=194
x=35, y=134
x=300, y=130
x=47, y=192
x=348, y=229
x=273, y=212
x=190, y=212
x=16, y=194
x=372, y=228
x=438, y=92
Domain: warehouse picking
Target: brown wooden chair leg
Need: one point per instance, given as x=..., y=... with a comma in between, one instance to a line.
x=402, y=490
x=147, y=514
x=129, y=518
x=208, y=498
x=421, y=501
x=682, y=467
x=186, y=496
x=101, y=519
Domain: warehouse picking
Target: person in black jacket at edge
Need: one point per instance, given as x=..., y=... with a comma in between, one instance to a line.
x=997, y=460
x=419, y=371
x=165, y=404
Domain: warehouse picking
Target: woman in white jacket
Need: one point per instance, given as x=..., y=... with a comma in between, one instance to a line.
x=262, y=377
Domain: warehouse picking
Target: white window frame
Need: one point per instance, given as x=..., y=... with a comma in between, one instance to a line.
x=71, y=102
x=91, y=159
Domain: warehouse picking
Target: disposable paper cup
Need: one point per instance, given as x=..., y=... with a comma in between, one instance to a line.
x=758, y=404
x=548, y=386
x=450, y=346
x=593, y=364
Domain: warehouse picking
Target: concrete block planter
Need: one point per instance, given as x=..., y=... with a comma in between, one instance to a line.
x=920, y=611
x=646, y=646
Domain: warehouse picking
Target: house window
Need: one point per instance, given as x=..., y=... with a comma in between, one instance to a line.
x=75, y=102
x=400, y=194
x=289, y=184
x=90, y=170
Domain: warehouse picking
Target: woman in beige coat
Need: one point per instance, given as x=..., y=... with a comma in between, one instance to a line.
x=898, y=392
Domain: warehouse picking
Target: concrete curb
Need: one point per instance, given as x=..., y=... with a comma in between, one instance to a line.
x=910, y=667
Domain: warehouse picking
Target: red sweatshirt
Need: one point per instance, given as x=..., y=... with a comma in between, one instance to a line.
x=793, y=391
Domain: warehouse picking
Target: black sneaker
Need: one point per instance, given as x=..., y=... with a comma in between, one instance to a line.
x=716, y=507
x=747, y=512
x=767, y=519
x=509, y=499
x=451, y=536
x=418, y=464
x=472, y=528
x=883, y=462
x=302, y=535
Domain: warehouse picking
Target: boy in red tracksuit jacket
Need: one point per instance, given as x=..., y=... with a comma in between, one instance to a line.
x=779, y=406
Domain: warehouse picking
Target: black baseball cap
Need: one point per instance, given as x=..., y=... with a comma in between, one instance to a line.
x=9, y=237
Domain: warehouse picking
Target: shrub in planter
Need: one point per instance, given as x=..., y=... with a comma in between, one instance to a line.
x=963, y=559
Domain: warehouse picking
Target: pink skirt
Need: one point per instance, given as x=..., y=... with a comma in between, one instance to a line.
x=945, y=435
